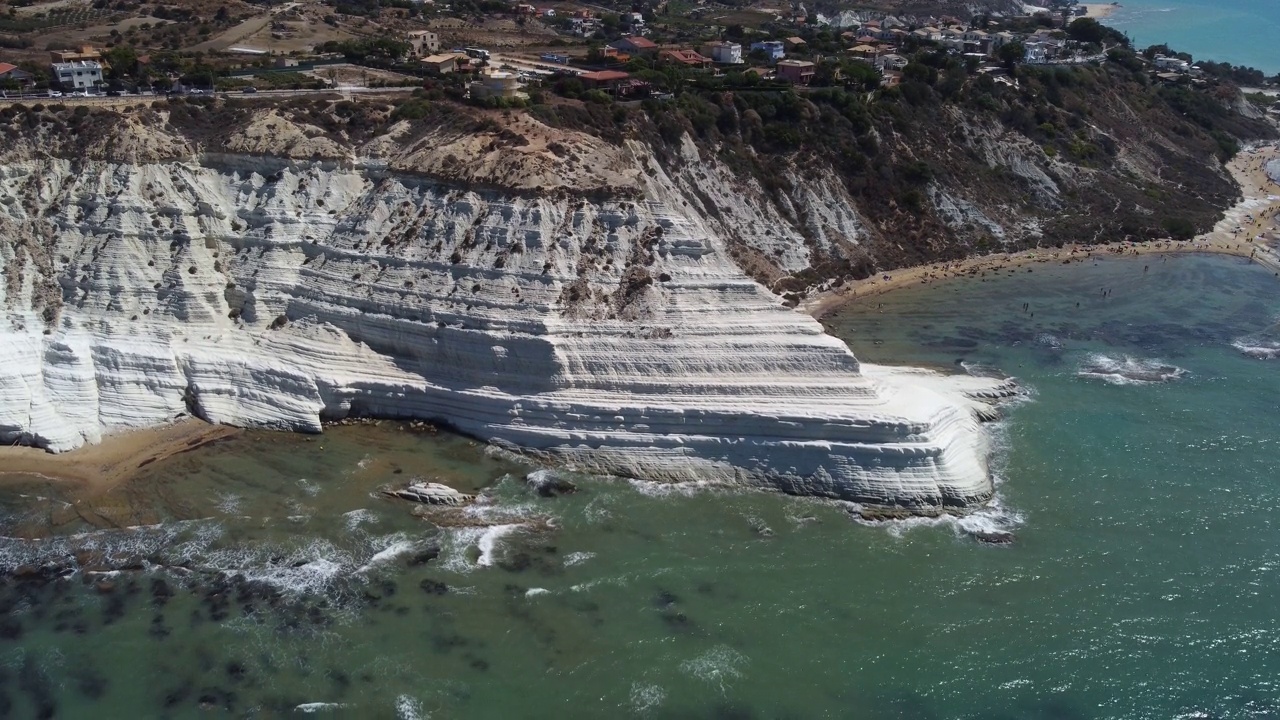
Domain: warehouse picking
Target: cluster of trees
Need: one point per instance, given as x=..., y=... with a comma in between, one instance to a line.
x=366, y=49
x=373, y=8
x=1090, y=31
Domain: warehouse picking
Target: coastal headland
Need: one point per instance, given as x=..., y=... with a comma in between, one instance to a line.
x=1243, y=232
x=601, y=284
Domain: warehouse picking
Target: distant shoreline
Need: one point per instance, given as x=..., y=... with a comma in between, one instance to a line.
x=1260, y=203
x=1235, y=32
x=1098, y=11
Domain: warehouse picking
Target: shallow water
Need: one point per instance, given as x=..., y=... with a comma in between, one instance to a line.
x=1141, y=584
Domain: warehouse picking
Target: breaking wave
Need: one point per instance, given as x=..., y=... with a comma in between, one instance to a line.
x=1049, y=341
x=995, y=521
x=646, y=696
x=296, y=566
x=577, y=558
x=399, y=544
x=410, y=708
x=718, y=666
x=317, y=707
x=467, y=548
x=1258, y=348
x=1128, y=370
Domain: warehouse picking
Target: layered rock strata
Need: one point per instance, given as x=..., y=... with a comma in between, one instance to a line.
x=613, y=335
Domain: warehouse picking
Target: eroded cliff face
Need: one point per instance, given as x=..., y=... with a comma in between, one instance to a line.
x=575, y=301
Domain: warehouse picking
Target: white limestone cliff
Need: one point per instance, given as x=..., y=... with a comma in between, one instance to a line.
x=613, y=335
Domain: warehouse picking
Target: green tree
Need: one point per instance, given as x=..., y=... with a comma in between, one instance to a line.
x=1011, y=53
x=1087, y=30
x=123, y=61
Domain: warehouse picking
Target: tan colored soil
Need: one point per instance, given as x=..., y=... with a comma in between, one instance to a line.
x=102, y=466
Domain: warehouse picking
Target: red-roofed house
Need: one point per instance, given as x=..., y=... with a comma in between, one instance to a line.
x=635, y=45
x=12, y=73
x=687, y=58
x=603, y=79
x=613, y=81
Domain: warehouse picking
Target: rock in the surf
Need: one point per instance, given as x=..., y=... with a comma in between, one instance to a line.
x=429, y=493
x=548, y=483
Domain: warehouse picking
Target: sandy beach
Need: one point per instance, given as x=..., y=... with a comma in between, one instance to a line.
x=96, y=468
x=1241, y=232
x=1097, y=11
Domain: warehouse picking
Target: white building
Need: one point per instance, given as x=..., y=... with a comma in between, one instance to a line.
x=890, y=62
x=499, y=84
x=1164, y=62
x=723, y=53
x=80, y=74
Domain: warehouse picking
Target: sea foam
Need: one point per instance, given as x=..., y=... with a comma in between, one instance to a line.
x=717, y=666
x=1127, y=370
x=1258, y=348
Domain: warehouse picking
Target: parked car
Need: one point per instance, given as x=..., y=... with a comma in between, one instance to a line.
x=54, y=93
x=250, y=89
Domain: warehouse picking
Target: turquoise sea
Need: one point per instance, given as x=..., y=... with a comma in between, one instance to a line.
x=262, y=577
x=1241, y=32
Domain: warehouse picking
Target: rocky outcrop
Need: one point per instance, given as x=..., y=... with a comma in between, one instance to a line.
x=428, y=493
x=611, y=334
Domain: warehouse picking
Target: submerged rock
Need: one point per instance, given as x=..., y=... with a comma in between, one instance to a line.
x=994, y=537
x=548, y=483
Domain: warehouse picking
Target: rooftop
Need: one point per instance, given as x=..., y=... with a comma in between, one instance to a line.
x=684, y=56
x=640, y=42
x=604, y=76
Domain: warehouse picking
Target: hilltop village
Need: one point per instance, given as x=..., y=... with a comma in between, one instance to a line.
x=504, y=53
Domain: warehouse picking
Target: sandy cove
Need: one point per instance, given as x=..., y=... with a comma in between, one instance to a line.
x=1098, y=11
x=1241, y=232
x=100, y=467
